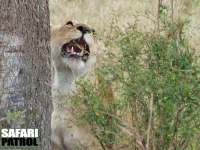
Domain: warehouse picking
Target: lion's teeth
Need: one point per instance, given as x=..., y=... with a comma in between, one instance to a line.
x=81, y=54
x=72, y=50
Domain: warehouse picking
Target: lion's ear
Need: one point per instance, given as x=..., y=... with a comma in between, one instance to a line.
x=69, y=23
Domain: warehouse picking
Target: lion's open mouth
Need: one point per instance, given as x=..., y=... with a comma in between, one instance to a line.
x=77, y=48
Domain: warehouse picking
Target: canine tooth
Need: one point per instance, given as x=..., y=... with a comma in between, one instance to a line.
x=81, y=54
x=72, y=50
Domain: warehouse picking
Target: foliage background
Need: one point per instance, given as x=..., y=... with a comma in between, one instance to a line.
x=155, y=84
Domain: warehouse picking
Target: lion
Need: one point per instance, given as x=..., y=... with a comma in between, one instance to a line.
x=73, y=47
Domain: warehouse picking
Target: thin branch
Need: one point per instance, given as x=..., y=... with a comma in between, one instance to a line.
x=125, y=123
x=172, y=14
x=150, y=121
x=159, y=11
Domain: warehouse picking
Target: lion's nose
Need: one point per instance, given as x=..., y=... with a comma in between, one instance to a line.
x=84, y=29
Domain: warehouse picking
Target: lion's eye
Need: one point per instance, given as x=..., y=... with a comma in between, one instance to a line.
x=69, y=23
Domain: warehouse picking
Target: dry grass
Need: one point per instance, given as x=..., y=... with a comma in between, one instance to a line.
x=99, y=13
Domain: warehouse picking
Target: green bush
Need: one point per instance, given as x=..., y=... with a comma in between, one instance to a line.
x=155, y=80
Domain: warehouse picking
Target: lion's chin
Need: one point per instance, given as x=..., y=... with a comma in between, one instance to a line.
x=76, y=65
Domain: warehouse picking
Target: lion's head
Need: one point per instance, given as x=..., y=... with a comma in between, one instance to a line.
x=73, y=46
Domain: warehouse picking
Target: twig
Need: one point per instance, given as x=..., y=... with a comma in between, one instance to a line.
x=150, y=120
x=159, y=11
x=125, y=123
x=172, y=15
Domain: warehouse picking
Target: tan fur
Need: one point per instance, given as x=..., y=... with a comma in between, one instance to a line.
x=66, y=135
